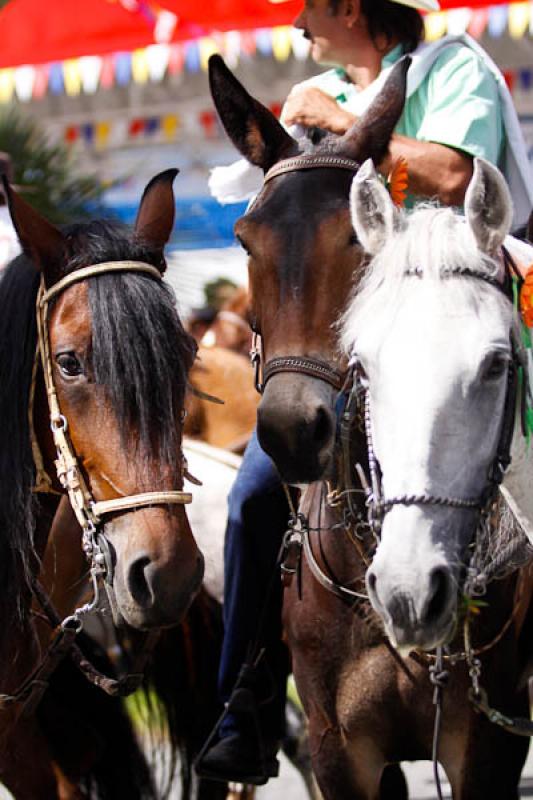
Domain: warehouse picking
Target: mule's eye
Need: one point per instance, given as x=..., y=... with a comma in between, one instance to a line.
x=495, y=368
x=353, y=239
x=69, y=365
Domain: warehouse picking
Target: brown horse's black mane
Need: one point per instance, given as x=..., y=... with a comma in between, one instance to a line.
x=18, y=337
x=141, y=354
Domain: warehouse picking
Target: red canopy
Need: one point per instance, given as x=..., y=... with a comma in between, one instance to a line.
x=39, y=31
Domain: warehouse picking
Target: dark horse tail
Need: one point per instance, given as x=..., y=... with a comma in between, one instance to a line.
x=90, y=735
x=183, y=683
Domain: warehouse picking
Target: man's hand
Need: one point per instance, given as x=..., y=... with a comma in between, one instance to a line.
x=313, y=108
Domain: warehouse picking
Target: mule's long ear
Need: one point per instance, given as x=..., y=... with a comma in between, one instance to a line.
x=155, y=217
x=488, y=206
x=41, y=241
x=371, y=208
x=369, y=137
x=252, y=128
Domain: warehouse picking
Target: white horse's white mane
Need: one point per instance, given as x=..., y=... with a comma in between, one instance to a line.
x=430, y=240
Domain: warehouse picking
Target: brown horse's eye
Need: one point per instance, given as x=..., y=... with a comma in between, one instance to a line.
x=69, y=365
x=242, y=244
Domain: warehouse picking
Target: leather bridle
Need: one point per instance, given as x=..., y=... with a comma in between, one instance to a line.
x=378, y=505
x=302, y=365
x=88, y=511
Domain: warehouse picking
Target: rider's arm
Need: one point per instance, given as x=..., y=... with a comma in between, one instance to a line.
x=454, y=116
x=435, y=170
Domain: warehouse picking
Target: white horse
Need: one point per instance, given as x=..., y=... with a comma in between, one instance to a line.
x=436, y=339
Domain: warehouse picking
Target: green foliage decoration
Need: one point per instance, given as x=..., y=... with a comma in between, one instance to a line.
x=46, y=172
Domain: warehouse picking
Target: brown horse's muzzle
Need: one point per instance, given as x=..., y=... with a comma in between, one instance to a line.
x=296, y=426
x=158, y=568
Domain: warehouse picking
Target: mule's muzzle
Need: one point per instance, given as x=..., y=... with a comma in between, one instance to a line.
x=296, y=426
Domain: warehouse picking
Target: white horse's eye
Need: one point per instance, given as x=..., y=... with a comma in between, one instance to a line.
x=495, y=367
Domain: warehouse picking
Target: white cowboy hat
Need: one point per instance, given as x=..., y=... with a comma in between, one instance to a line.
x=425, y=5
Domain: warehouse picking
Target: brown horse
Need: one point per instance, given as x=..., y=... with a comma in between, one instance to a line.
x=230, y=328
x=223, y=374
x=115, y=357
x=368, y=706
x=222, y=369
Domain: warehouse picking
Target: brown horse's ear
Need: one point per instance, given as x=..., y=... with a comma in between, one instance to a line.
x=252, y=128
x=41, y=241
x=369, y=137
x=155, y=217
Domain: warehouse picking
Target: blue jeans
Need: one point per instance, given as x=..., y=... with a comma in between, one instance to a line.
x=257, y=519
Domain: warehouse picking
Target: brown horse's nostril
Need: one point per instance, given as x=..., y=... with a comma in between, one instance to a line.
x=322, y=426
x=139, y=583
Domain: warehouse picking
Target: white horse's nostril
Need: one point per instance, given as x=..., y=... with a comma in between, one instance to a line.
x=440, y=582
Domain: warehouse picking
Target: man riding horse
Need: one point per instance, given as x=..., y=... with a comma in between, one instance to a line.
x=457, y=108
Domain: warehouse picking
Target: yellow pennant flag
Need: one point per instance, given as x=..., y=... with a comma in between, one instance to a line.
x=436, y=25
x=169, y=125
x=101, y=133
x=518, y=20
x=72, y=77
x=207, y=47
x=7, y=84
x=281, y=42
x=139, y=66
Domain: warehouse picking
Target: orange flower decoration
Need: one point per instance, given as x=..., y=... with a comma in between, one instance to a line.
x=398, y=181
x=526, y=298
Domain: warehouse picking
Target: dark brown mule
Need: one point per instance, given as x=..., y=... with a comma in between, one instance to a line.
x=119, y=359
x=367, y=706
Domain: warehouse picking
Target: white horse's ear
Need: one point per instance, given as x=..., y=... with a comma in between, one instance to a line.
x=488, y=206
x=371, y=208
